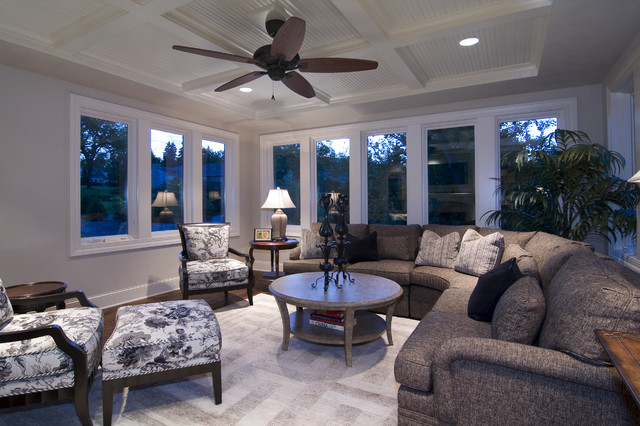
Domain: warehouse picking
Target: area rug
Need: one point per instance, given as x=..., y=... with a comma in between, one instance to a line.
x=261, y=384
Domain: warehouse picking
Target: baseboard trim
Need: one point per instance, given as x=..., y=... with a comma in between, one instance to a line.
x=119, y=297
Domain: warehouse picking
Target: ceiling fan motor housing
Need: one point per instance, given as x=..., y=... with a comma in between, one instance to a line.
x=272, y=26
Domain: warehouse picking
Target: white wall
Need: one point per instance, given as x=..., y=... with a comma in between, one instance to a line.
x=34, y=187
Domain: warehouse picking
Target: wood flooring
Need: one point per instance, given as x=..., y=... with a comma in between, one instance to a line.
x=215, y=300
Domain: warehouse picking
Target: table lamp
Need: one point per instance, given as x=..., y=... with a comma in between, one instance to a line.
x=165, y=199
x=635, y=178
x=278, y=199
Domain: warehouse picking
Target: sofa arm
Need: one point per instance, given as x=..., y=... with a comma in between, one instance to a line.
x=479, y=381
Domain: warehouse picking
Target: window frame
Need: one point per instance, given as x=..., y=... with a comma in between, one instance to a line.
x=139, y=200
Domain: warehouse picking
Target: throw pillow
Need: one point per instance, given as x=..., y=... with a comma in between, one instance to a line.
x=526, y=263
x=438, y=251
x=490, y=287
x=206, y=242
x=6, y=310
x=362, y=249
x=308, y=245
x=519, y=313
x=479, y=254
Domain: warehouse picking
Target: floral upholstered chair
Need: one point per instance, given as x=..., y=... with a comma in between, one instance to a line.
x=205, y=265
x=51, y=354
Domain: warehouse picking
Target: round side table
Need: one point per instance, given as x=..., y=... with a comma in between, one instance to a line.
x=274, y=247
x=40, y=288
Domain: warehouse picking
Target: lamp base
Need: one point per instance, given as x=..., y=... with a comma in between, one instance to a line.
x=279, y=226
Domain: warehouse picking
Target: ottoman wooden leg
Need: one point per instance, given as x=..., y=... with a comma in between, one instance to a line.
x=216, y=376
x=107, y=402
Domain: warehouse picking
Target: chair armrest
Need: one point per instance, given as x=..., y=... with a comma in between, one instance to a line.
x=54, y=298
x=75, y=351
x=239, y=253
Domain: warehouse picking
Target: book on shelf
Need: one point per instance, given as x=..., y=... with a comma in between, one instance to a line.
x=327, y=325
x=328, y=313
x=319, y=317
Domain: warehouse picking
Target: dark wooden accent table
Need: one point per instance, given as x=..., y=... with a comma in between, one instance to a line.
x=274, y=247
x=40, y=288
x=367, y=292
x=624, y=350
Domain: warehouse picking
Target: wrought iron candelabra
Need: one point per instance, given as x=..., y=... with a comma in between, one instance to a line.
x=326, y=231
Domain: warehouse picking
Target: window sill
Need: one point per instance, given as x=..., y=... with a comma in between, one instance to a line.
x=124, y=243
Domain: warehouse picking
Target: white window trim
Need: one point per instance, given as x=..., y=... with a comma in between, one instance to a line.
x=139, y=175
x=487, y=164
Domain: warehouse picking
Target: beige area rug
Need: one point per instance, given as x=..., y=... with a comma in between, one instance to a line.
x=261, y=384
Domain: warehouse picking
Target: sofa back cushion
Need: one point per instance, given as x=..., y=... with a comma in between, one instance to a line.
x=438, y=251
x=397, y=241
x=519, y=312
x=6, y=310
x=510, y=237
x=359, y=230
x=526, y=263
x=479, y=254
x=587, y=294
x=443, y=230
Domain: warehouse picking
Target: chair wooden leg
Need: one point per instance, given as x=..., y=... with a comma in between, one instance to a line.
x=217, y=382
x=226, y=297
x=107, y=402
x=250, y=295
x=81, y=400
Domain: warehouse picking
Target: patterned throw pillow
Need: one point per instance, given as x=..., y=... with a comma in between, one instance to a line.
x=206, y=242
x=6, y=310
x=308, y=245
x=438, y=251
x=479, y=254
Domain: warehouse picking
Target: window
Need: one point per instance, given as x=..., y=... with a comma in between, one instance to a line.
x=135, y=175
x=167, y=155
x=286, y=175
x=451, y=175
x=213, y=183
x=387, y=178
x=103, y=177
x=332, y=164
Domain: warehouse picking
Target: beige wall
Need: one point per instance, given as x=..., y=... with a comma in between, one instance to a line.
x=34, y=187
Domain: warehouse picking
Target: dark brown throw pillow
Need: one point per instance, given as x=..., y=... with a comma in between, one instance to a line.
x=491, y=285
x=362, y=249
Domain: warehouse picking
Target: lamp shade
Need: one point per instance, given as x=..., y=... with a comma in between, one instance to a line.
x=278, y=199
x=165, y=199
x=635, y=178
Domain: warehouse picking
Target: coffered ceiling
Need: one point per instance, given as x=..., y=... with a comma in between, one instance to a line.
x=536, y=44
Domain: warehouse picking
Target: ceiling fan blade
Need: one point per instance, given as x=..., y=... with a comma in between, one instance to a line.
x=288, y=39
x=217, y=55
x=240, y=80
x=298, y=84
x=336, y=65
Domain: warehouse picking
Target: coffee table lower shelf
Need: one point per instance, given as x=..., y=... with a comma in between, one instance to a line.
x=368, y=327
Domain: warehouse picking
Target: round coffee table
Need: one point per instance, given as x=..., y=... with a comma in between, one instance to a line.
x=360, y=325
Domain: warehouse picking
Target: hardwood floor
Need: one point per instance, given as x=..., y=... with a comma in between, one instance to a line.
x=215, y=300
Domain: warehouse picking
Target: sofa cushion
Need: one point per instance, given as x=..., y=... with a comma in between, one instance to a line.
x=413, y=364
x=301, y=265
x=586, y=294
x=438, y=251
x=479, y=254
x=519, y=312
x=526, y=263
x=6, y=310
x=510, y=237
x=362, y=249
x=443, y=230
x=453, y=300
x=309, y=241
x=214, y=273
x=441, y=278
x=491, y=285
x=395, y=270
x=397, y=241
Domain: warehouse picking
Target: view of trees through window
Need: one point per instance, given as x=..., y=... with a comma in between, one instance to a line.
x=167, y=159
x=286, y=175
x=387, y=178
x=213, y=184
x=451, y=175
x=103, y=177
x=332, y=160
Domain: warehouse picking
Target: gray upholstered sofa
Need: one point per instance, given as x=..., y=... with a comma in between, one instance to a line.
x=537, y=361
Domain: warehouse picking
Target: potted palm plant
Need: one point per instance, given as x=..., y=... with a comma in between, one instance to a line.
x=566, y=185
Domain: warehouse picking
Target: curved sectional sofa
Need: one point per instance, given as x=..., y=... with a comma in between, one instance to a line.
x=536, y=360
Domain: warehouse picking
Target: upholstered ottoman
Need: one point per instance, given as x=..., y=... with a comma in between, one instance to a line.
x=160, y=341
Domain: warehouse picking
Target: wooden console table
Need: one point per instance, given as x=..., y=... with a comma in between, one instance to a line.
x=624, y=350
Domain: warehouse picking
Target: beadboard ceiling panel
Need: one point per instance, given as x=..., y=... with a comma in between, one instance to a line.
x=548, y=43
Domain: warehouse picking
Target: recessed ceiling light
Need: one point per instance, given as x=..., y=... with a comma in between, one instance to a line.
x=246, y=89
x=469, y=41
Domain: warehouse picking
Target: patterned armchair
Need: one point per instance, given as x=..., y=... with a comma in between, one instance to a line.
x=49, y=355
x=205, y=265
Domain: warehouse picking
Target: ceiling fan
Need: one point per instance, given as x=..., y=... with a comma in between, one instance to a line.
x=280, y=59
